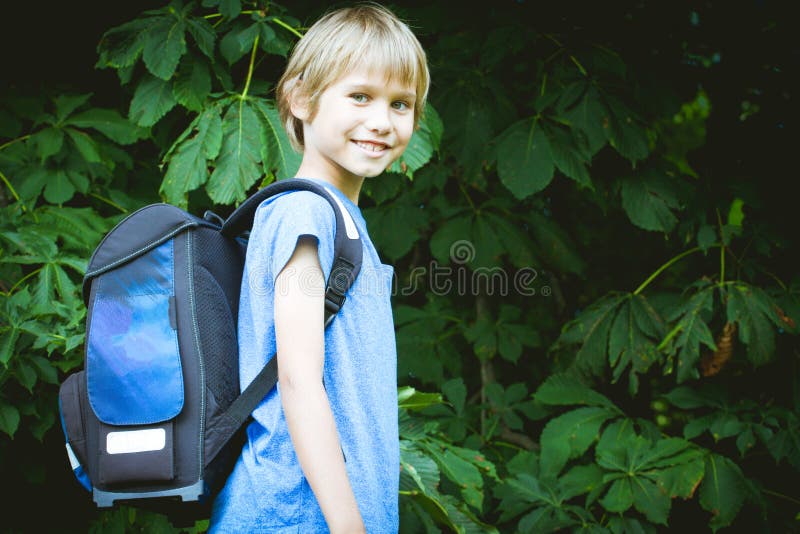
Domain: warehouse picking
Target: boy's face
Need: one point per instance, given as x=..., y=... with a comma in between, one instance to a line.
x=362, y=124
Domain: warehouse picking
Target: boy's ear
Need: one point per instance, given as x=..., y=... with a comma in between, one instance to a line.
x=300, y=105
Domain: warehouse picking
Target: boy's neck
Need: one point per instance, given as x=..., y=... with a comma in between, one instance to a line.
x=350, y=186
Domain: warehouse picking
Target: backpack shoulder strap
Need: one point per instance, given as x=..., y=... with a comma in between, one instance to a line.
x=347, y=247
x=347, y=254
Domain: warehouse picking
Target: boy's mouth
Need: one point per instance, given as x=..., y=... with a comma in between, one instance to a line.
x=372, y=146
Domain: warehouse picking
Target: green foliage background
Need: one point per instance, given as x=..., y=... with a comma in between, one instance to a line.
x=595, y=197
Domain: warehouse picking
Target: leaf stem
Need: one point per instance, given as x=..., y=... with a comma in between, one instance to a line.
x=664, y=267
x=10, y=187
x=721, y=251
x=250, y=68
x=674, y=332
x=578, y=64
x=243, y=12
x=486, y=369
x=552, y=38
x=554, y=55
x=279, y=22
x=780, y=496
x=17, y=140
x=32, y=273
x=778, y=280
x=466, y=195
x=108, y=201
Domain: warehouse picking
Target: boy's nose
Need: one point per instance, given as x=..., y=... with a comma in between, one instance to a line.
x=378, y=120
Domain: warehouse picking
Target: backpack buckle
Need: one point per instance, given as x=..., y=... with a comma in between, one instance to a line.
x=333, y=300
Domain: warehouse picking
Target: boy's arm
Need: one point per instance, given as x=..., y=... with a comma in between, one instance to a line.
x=299, y=334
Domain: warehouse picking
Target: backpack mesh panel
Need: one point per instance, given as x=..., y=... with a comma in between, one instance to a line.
x=218, y=278
x=224, y=259
x=217, y=337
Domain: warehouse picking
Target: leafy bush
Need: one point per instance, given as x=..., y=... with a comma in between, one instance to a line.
x=594, y=271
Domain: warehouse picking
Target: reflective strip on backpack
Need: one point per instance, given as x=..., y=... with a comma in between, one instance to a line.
x=151, y=439
x=77, y=469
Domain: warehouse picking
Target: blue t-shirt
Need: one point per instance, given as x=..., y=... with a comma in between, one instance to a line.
x=267, y=491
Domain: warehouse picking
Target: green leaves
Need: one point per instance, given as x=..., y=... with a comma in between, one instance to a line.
x=570, y=126
x=646, y=475
x=479, y=239
x=277, y=155
x=504, y=336
x=9, y=419
x=383, y=221
x=238, y=42
x=524, y=159
x=108, y=122
x=569, y=156
x=566, y=390
x=690, y=331
x=469, y=130
x=71, y=148
x=546, y=500
x=428, y=458
x=506, y=405
x=240, y=143
x=192, y=84
x=188, y=166
x=159, y=38
x=633, y=336
x=44, y=254
x=48, y=142
x=204, y=36
x=151, y=101
x=423, y=347
x=164, y=44
x=554, y=245
x=625, y=132
x=754, y=311
x=174, y=75
x=722, y=491
x=409, y=398
x=618, y=330
x=238, y=166
x=590, y=329
x=649, y=199
x=121, y=46
x=588, y=118
x=626, y=330
x=631, y=471
x=569, y=435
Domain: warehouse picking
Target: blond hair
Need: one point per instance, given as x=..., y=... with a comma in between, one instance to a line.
x=365, y=35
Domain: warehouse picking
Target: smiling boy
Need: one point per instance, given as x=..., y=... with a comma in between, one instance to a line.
x=322, y=453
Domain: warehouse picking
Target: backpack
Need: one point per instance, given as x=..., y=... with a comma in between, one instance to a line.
x=156, y=419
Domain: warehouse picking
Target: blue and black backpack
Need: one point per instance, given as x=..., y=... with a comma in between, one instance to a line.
x=155, y=419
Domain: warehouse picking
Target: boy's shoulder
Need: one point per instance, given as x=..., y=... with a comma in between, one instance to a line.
x=296, y=201
x=295, y=208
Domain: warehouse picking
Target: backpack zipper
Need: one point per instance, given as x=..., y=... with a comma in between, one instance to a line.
x=200, y=359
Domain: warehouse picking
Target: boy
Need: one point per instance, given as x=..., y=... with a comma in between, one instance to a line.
x=322, y=452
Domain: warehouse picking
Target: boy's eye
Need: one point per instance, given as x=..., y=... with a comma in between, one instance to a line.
x=359, y=97
x=401, y=105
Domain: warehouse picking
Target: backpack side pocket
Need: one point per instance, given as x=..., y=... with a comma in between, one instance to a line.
x=136, y=454
x=71, y=410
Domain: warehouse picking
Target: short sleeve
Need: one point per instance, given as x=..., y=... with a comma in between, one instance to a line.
x=280, y=221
